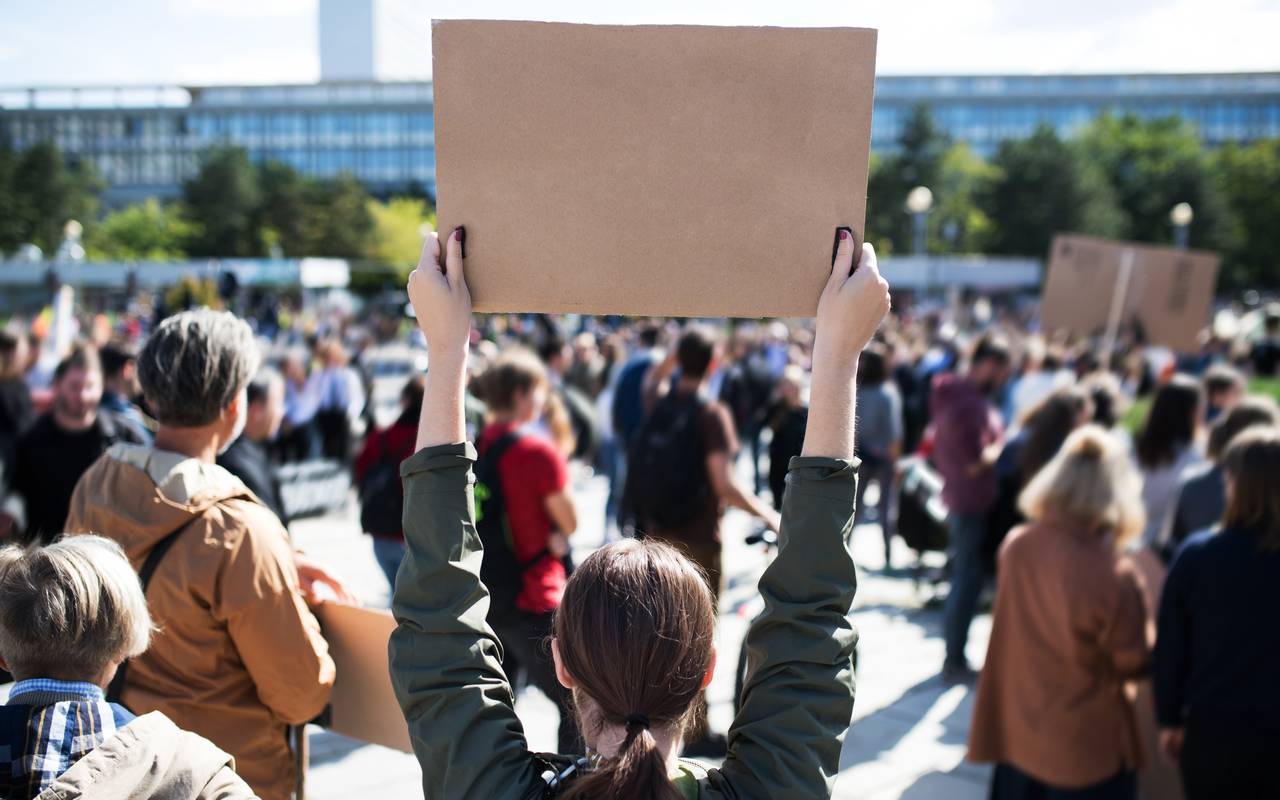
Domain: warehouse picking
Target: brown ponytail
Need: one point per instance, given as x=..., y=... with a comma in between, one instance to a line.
x=635, y=631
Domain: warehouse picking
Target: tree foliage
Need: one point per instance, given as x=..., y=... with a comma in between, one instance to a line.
x=1152, y=165
x=1249, y=179
x=1042, y=186
x=39, y=192
x=140, y=232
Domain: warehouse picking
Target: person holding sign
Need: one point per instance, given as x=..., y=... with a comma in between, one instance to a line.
x=633, y=639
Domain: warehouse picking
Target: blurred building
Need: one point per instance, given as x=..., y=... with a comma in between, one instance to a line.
x=145, y=140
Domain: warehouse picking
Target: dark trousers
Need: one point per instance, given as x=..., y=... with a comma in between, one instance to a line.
x=968, y=532
x=1230, y=759
x=1010, y=783
x=526, y=645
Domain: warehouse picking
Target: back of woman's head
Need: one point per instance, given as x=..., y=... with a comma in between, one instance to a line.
x=1252, y=463
x=1092, y=481
x=1047, y=424
x=1171, y=423
x=635, y=631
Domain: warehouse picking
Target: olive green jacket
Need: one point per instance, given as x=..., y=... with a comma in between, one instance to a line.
x=446, y=663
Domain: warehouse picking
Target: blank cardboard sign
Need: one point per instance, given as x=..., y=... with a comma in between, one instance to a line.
x=1169, y=293
x=672, y=170
x=363, y=705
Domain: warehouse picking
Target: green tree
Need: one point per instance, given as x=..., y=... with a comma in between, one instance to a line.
x=915, y=161
x=144, y=231
x=1042, y=186
x=958, y=223
x=398, y=225
x=224, y=200
x=1152, y=165
x=45, y=192
x=1249, y=177
x=281, y=216
x=338, y=222
x=10, y=224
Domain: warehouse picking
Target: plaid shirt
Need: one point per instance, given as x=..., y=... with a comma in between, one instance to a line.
x=46, y=727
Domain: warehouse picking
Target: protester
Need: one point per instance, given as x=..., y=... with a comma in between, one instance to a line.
x=628, y=415
x=1038, y=437
x=787, y=422
x=1218, y=648
x=1223, y=388
x=1164, y=449
x=575, y=403
x=120, y=388
x=1108, y=399
x=241, y=656
x=246, y=457
x=62, y=443
x=587, y=370
x=341, y=400
x=15, y=416
x=70, y=614
x=1264, y=356
x=966, y=428
x=377, y=473
x=879, y=438
x=747, y=389
x=300, y=435
x=635, y=610
x=539, y=514
x=1202, y=493
x=1041, y=374
x=1068, y=630
x=680, y=470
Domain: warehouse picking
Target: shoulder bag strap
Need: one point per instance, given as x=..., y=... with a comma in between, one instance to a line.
x=116, y=688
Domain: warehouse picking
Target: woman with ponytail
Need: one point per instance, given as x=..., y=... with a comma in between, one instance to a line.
x=1068, y=630
x=633, y=636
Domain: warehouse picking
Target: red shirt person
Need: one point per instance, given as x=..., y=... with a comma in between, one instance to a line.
x=540, y=515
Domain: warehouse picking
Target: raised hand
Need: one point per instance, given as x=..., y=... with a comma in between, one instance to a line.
x=849, y=311
x=852, y=305
x=443, y=306
x=440, y=297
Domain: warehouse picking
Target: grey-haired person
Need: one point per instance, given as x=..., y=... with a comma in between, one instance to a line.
x=240, y=656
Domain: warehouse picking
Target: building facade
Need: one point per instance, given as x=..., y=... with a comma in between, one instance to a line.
x=145, y=141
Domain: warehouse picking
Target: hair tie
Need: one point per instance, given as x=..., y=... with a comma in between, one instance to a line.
x=636, y=720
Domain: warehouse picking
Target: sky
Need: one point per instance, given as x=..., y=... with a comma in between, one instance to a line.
x=208, y=42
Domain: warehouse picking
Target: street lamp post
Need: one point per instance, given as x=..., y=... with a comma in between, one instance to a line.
x=1181, y=216
x=919, y=201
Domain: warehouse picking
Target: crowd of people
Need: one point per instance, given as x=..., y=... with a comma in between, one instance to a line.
x=1117, y=556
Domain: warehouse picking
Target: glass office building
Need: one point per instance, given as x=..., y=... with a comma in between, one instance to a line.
x=144, y=141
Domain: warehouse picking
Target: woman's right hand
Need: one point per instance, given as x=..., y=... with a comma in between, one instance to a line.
x=852, y=305
x=440, y=297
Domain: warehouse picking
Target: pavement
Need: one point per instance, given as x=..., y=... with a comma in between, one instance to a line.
x=908, y=732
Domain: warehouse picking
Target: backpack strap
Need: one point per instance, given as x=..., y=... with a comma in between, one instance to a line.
x=116, y=688
x=492, y=455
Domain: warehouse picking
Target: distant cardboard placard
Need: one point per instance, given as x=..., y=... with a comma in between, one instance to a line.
x=670, y=170
x=363, y=705
x=1169, y=293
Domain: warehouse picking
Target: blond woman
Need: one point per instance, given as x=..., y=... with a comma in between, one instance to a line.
x=1068, y=631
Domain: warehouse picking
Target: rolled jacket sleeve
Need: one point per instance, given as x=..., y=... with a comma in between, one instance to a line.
x=798, y=697
x=446, y=663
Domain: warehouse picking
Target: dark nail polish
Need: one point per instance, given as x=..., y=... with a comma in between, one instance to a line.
x=461, y=233
x=842, y=232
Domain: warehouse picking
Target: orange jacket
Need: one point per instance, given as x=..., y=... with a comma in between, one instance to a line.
x=238, y=655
